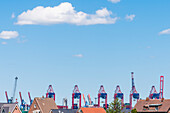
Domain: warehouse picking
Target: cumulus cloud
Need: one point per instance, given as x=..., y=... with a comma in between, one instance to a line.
x=130, y=17
x=64, y=13
x=9, y=34
x=114, y=1
x=13, y=15
x=166, y=31
x=78, y=55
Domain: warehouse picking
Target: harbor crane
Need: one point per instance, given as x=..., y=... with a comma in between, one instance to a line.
x=29, y=95
x=85, y=102
x=11, y=100
x=133, y=93
x=161, y=87
x=102, y=94
x=118, y=94
x=153, y=93
x=50, y=92
x=23, y=106
x=76, y=95
x=89, y=99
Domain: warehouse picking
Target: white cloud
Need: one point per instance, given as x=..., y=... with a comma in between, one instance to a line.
x=166, y=31
x=22, y=39
x=114, y=1
x=13, y=15
x=78, y=55
x=4, y=43
x=148, y=47
x=130, y=17
x=8, y=34
x=64, y=13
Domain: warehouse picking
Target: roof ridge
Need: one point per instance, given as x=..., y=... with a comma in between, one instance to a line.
x=39, y=104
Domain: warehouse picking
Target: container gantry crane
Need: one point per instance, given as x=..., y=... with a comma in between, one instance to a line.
x=133, y=93
x=76, y=95
x=102, y=94
x=161, y=87
x=11, y=100
x=85, y=102
x=153, y=93
x=89, y=99
x=50, y=92
x=29, y=95
x=118, y=94
x=23, y=106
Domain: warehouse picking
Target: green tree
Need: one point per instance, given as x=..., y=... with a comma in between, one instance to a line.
x=115, y=106
x=134, y=111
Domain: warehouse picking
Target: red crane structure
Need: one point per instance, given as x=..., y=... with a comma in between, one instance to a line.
x=76, y=95
x=50, y=92
x=133, y=93
x=161, y=87
x=6, y=94
x=153, y=93
x=118, y=94
x=102, y=94
x=29, y=95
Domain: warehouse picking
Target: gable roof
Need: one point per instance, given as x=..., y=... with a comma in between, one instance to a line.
x=8, y=107
x=93, y=110
x=46, y=104
x=153, y=105
x=63, y=110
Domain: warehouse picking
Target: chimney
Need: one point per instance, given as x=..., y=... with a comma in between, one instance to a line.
x=162, y=99
x=147, y=98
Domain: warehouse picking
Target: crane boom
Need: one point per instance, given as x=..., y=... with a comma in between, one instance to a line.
x=30, y=98
x=21, y=98
x=89, y=99
x=15, y=86
x=84, y=99
x=6, y=96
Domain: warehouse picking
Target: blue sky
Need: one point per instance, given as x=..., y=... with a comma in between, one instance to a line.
x=100, y=46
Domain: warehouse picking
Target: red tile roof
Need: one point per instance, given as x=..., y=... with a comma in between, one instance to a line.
x=153, y=105
x=92, y=110
x=46, y=104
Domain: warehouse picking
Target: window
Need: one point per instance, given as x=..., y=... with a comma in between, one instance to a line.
x=3, y=111
x=156, y=108
x=35, y=106
x=36, y=111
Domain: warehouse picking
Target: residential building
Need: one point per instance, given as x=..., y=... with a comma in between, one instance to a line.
x=153, y=105
x=9, y=108
x=42, y=105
